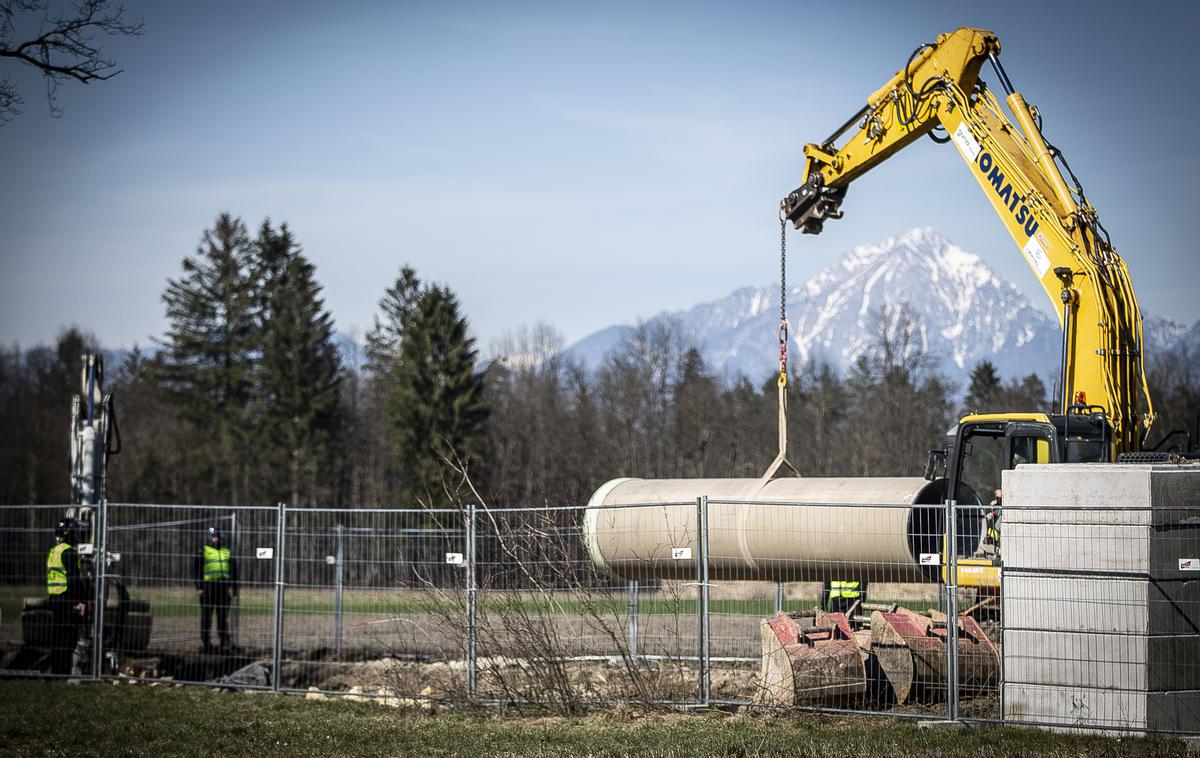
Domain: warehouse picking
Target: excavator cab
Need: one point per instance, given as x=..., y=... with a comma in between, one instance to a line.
x=982, y=446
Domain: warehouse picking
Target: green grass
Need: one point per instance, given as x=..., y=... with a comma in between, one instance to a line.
x=53, y=718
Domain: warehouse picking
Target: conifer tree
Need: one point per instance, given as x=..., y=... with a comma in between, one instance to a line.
x=207, y=360
x=378, y=466
x=298, y=370
x=435, y=400
x=988, y=394
x=984, y=387
x=383, y=341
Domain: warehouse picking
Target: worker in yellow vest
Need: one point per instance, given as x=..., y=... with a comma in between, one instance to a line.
x=66, y=587
x=839, y=595
x=216, y=576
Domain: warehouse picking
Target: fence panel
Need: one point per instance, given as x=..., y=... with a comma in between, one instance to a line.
x=156, y=558
x=861, y=591
x=553, y=627
x=375, y=602
x=1096, y=624
x=27, y=534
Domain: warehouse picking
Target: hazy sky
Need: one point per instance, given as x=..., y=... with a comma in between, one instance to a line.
x=579, y=164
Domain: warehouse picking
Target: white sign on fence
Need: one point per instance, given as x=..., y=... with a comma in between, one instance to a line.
x=264, y=553
x=1189, y=564
x=931, y=559
x=85, y=548
x=681, y=553
x=454, y=559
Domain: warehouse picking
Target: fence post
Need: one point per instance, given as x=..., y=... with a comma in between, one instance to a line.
x=101, y=570
x=277, y=644
x=337, y=593
x=1000, y=609
x=633, y=620
x=952, y=610
x=471, y=588
x=778, y=597
x=236, y=607
x=702, y=654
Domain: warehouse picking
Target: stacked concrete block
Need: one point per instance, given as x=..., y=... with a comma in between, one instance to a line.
x=1101, y=596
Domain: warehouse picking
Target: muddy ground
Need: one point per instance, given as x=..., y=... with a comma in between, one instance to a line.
x=522, y=657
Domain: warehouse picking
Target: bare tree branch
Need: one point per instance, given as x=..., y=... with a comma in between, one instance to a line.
x=63, y=47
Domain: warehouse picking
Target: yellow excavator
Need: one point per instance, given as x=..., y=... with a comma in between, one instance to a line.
x=1104, y=409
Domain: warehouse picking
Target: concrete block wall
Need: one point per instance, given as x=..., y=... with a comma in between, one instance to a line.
x=1132, y=606
x=1101, y=608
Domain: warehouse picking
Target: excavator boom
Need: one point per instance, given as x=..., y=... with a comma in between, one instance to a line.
x=1051, y=221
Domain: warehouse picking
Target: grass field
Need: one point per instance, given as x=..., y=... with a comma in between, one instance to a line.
x=53, y=718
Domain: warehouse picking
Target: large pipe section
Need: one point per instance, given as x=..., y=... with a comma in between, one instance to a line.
x=802, y=529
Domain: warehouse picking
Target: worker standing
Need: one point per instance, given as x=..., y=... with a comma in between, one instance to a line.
x=216, y=575
x=66, y=586
x=990, y=544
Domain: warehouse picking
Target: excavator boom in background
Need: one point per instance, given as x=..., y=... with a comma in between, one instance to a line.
x=94, y=436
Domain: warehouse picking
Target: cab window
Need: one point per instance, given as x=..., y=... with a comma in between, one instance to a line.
x=1084, y=450
x=982, y=460
x=1029, y=449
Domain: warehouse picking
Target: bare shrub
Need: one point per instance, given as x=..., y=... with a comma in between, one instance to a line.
x=552, y=631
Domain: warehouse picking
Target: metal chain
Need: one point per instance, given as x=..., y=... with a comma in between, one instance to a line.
x=783, y=270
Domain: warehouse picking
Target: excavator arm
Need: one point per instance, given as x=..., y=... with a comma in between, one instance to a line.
x=1051, y=221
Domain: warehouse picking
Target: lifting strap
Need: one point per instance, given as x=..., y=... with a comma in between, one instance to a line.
x=781, y=459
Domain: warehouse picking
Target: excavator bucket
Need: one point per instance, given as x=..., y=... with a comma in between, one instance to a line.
x=910, y=648
x=811, y=658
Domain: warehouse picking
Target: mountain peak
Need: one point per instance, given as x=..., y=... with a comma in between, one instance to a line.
x=922, y=243
x=963, y=313
x=918, y=238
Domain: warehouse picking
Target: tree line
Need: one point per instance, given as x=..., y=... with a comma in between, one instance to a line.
x=252, y=398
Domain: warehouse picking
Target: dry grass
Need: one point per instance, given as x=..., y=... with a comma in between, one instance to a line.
x=41, y=718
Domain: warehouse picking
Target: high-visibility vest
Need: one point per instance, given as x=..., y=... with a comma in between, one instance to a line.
x=216, y=563
x=56, y=570
x=844, y=589
x=992, y=528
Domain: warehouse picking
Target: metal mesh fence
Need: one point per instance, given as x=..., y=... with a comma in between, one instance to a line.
x=371, y=601
x=155, y=558
x=26, y=534
x=853, y=619
x=1089, y=621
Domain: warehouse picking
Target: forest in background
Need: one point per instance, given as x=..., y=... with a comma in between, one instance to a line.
x=248, y=399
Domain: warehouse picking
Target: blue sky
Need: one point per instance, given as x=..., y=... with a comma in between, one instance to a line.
x=578, y=164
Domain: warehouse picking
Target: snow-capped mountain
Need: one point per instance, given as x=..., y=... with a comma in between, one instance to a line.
x=962, y=313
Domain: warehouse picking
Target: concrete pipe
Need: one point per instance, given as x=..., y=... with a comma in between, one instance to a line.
x=788, y=530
